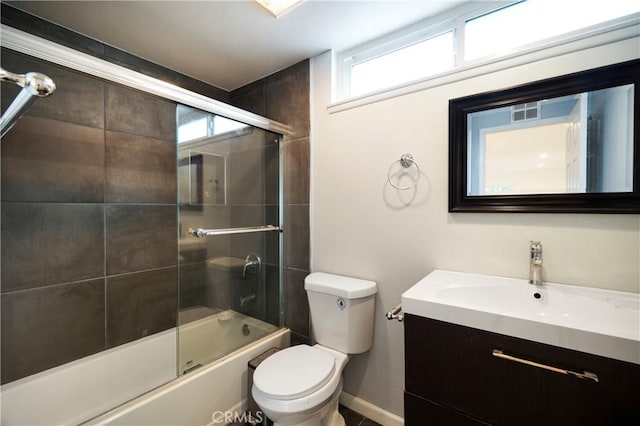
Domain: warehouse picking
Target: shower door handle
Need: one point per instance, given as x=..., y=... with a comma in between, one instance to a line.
x=201, y=233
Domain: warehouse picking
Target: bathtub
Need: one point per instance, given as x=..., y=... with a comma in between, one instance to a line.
x=77, y=392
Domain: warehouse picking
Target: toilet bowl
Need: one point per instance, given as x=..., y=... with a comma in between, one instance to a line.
x=301, y=385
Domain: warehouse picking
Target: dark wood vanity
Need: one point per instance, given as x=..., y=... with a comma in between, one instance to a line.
x=452, y=377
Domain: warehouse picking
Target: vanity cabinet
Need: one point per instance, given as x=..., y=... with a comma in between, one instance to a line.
x=452, y=378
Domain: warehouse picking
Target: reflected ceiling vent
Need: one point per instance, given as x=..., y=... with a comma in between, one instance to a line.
x=524, y=112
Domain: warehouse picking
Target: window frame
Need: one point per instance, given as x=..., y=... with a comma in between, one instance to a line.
x=390, y=44
x=453, y=20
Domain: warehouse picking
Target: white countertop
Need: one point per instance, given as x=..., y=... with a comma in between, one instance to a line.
x=596, y=321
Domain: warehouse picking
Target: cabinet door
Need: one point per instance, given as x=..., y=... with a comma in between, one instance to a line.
x=453, y=366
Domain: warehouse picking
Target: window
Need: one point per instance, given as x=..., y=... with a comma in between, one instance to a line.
x=526, y=22
x=485, y=33
x=419, y=60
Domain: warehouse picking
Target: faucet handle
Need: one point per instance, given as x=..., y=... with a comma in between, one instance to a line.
x=252, y=263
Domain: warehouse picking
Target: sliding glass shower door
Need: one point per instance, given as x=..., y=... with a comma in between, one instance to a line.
x=229, y=210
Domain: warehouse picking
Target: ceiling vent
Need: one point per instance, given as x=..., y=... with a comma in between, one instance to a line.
x=524, y=112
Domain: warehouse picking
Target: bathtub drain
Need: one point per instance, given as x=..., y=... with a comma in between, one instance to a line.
x=245, y=330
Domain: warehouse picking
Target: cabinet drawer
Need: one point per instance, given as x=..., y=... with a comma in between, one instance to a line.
x=453, y=366
x=419, y=412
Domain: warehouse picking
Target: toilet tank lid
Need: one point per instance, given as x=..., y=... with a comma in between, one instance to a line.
x=337, y=285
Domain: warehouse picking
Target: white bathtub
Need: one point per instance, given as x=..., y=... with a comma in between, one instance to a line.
x=78, y=391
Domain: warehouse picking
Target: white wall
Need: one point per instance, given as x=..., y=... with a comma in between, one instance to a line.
x=361, y=227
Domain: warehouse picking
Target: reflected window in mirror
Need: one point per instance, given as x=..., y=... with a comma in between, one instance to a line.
x=564, y=144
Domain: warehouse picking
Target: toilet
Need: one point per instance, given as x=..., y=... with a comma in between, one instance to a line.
x=301, y=385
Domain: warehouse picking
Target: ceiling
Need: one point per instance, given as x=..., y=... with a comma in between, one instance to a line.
x=232, y=43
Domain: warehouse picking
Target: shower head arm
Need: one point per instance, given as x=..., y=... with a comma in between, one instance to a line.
x=37, y=84
x=34, y=85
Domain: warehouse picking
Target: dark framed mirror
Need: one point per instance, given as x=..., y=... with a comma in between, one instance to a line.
x=560, y=145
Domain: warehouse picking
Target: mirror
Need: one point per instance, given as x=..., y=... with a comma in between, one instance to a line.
x=565, y=144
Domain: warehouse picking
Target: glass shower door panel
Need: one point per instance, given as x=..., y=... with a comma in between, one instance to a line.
x=230, y=279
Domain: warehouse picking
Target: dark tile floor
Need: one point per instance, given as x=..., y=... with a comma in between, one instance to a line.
x=351, y=418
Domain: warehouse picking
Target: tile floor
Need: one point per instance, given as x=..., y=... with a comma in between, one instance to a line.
x=351, y=418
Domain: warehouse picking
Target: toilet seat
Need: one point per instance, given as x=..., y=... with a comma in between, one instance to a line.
x=294, y=373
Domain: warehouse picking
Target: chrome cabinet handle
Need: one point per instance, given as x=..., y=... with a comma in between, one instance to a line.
x=586, y=375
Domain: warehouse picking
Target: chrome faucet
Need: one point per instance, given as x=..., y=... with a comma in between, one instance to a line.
x=535, y=263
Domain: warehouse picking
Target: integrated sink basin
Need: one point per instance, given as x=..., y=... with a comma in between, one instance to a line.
x=596, y=321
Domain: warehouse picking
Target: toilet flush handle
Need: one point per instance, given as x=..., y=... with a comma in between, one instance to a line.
x=395, y=313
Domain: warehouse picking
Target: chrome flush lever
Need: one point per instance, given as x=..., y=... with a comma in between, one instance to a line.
x=395, y=313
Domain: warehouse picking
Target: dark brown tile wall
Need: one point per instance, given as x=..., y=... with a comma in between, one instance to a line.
x=139, y=169
x=287, y=99
x=50, y=243
x=284, y=97
x=89, y=234
x=193, y=277
x=140, y=114
x=249, y=179
x=140, y=237
x=61, y=177
x=140, y=304
x=297, y=223
x=296, y=172
x=51, y=325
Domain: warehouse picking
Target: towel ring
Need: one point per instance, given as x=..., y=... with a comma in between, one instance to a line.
x=406, y=161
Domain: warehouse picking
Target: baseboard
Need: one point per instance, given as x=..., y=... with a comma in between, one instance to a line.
x=370, y=411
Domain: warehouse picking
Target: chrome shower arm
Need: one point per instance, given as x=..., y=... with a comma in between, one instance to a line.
x=34, y=85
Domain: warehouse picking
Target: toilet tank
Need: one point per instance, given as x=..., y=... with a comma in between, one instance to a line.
x=341, y=310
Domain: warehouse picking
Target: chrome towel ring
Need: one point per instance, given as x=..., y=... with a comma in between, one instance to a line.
x=406, y=161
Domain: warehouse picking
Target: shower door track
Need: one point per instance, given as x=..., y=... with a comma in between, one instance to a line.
x=201, y=233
